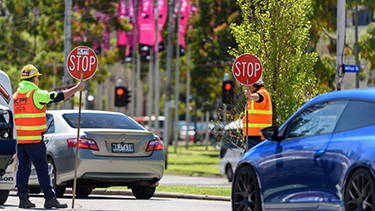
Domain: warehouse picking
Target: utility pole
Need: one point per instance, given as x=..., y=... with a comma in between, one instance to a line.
x=177, y=77
x=356, y=46
x=340, y=43
x=187, y=100
x=67, y=46
x=168, y=90
x=156, y=103
x=135, y=56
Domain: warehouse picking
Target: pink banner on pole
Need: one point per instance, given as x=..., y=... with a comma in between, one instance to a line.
x=163, y=14
x=121, y=14
x=184, y=20
x=146, y=23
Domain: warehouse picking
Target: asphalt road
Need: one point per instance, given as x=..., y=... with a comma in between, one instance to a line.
x=112, y=203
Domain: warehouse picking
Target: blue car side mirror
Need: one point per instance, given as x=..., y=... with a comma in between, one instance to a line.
x=271, y=133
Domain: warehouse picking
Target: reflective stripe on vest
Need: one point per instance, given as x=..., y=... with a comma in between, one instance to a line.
x=259, y=115
x=30, y=121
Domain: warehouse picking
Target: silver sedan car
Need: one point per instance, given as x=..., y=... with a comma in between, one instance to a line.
x=114, y=150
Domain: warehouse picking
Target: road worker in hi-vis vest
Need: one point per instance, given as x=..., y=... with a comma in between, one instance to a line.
x=30, y=116
x=259, y=115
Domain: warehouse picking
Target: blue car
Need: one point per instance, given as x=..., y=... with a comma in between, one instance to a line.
x=321, y=158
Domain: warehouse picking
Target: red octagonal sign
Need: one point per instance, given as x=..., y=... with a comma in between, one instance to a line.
x=247, y=69
x=82, y=63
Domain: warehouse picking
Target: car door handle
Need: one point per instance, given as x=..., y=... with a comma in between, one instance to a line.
x=318, y=154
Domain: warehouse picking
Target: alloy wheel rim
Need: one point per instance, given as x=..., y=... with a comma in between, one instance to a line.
x=51, y=172
x=359, y=196
x=245, y=192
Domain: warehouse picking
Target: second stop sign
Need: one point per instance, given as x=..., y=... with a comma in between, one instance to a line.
x=247, y=69
x=82, y=63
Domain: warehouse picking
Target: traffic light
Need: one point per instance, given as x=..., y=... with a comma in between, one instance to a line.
x=122, y=96
x=228, y=92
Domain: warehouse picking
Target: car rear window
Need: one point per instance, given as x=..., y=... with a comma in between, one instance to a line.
x=100, y=120
x=357, y=114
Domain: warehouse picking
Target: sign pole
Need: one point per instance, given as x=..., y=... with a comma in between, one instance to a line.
x=77, y=148
x=247, y=119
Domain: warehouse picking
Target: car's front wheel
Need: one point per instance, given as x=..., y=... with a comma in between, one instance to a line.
x=229, y=172
x=245, y=190
x=360, y=192
x=60, y=190
x=3, y=196
x=143, y=192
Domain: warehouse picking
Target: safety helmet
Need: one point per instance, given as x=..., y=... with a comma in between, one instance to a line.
x=29, y=71
x=260, y=81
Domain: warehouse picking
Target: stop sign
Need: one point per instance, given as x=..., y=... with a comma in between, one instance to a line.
x=82, y=63
x=247, y=69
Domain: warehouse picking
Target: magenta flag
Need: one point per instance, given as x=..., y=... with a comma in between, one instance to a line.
x=146, y=23
x=184, y=20
x=121, y=14
x=163, y=14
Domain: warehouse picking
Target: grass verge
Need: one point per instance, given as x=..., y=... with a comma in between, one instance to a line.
x=194, y=161
x=200, y=190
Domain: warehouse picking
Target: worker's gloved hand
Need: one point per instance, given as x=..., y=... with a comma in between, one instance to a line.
x=81, y=85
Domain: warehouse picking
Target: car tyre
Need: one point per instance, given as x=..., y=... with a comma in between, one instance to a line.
x=59, y=189
x=3, y=196
x=229, y=172
x=245, y=190
x=83, y=192
x=143, y=192
x=360, y=191
x=35, y=190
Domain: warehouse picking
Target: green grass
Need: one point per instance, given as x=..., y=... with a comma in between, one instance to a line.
x=214, y=191
x=194, y=161
x=200, y=190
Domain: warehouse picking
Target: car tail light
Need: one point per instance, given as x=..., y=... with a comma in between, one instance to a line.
x=84, y=143
x=154, y=145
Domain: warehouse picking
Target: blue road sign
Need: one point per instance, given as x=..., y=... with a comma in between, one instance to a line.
x=350, y=68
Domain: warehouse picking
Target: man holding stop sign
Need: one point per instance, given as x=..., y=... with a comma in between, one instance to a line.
x=247, y=69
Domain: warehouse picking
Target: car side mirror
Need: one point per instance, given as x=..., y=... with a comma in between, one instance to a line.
x=271, y=133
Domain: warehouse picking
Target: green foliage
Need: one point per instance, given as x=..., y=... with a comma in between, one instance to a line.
x=33, y=33
x=277, y=32
x=209, y=40
x=367, y=47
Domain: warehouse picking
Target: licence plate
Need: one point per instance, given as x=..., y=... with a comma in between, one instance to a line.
x=122, y=148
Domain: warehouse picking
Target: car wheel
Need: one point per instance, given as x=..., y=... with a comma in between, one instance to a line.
x=35, y=190
x=143, y=192
x=359, y=192
x=59, y=189
x=229, y=172
x=83, y=192
x=245, y=190
x=3, y=196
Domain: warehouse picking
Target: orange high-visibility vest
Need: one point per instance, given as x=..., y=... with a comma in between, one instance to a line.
x=30, y=121
x=259, y=114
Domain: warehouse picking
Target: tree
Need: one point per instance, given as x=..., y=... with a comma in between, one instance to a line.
x=367, y=45
x=277, y=32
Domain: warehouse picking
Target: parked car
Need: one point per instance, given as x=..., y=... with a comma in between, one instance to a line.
x=114, y=150
x=147, y=122
x=231, y=149
x=321, y=158
x=7, y=139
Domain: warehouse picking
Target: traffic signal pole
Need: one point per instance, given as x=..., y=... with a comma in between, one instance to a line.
x=340, y=43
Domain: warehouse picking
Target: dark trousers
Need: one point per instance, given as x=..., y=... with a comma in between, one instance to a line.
x=35, y=153
x=252, y=141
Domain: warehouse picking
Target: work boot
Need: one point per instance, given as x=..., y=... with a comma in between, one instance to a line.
x=26, y=203
x=50, y=203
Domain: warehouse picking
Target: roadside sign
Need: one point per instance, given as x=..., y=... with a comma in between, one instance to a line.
x=247, y=69
x=350, y=68
x=82, y=63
